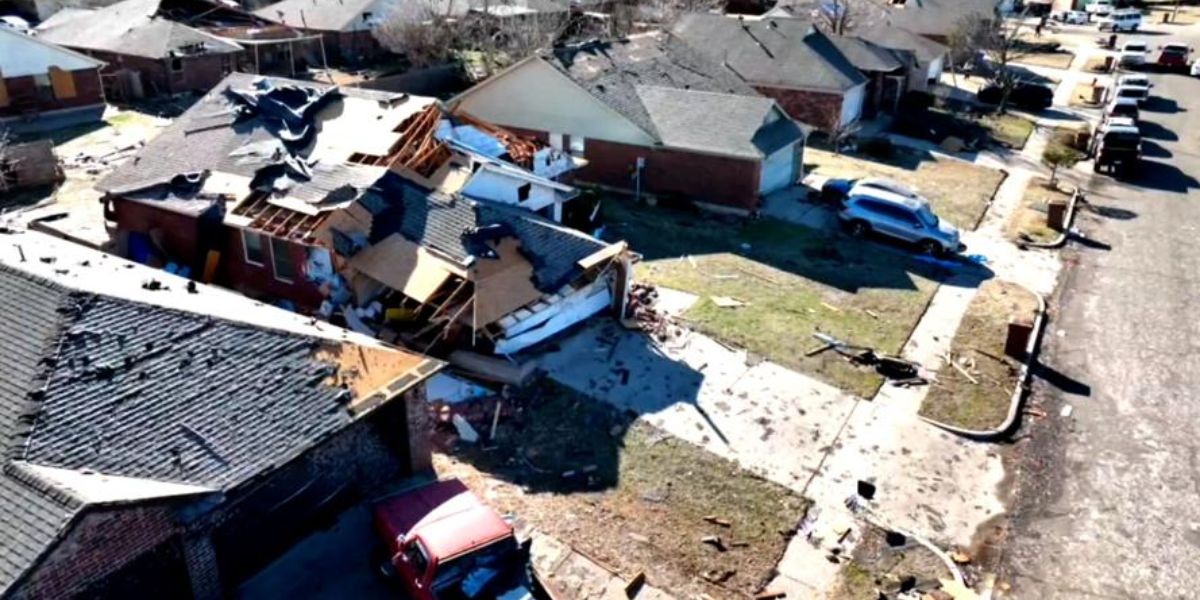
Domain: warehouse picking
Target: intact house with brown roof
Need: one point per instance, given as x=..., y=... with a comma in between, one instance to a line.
x=163, y=439
x=39, y=79
x=163, y=47
x=649, y=115
x=385, y=211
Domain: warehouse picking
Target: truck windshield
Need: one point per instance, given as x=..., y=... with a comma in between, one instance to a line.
x=927, y=217
x=1133, y=92
x=1119, y=140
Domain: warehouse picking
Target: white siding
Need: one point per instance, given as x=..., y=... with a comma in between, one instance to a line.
x=778, y=170
x=536, y=96
x=852, y=104
x=935, y=69
x=498, y=187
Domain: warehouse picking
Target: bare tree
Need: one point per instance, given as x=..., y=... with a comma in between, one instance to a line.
x=5, y=164
x=992, y=45
x=424, y=36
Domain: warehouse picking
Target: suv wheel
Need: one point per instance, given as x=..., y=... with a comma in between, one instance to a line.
x=858, y=228
x=931, y=248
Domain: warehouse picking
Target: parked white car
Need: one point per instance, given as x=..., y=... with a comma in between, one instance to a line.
x=1128, y=19
x=868, y=184
x=1194, y=69
x=1133, y=53
x=1071, y=17
x=1101, y=7
x=1134, y=79
x=1136, y=94
x=907, y=219
x=17, y=24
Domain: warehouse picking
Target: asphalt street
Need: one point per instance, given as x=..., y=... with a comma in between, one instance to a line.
x=1113, y=506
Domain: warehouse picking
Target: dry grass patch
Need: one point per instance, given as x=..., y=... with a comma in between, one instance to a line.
x=1082, y=95
x=1054, y=60
x=1028, y=223
x=959, y=192
x=631, y=496
x=980, y=398
x=1096, y=64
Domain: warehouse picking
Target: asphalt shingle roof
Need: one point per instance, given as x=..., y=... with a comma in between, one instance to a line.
x=747, y=126
x=327, y=15
x=925, y=17
x=770, y=52
x=437, y=221
x=208, y=134
x=867, y=56
x=128, y=388
x=898, y=38
x=131, y=27
x=612, y=71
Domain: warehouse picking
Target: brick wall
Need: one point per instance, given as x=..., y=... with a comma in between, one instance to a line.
x=180, y=239
x=709, y=179
x=262, y=519
x=197, y=73
x=23, y=94
x=100, y=543
x=822, y=110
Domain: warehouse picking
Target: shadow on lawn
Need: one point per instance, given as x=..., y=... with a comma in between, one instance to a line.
x=824, y=256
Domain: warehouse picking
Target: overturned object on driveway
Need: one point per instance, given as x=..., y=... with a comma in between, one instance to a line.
x=891, y=367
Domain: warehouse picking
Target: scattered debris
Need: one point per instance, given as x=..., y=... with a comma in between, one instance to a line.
x=831, y=307
x=866, y=489
x=715, y=520
x=714, y=541
x=958, y=591
x=1066, y=411
x=960, y=556
x=770, y=595
x=465, y=432
x=718, y=576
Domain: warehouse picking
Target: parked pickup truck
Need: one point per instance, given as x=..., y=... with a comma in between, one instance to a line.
x=1173, y=57
x=443, y=543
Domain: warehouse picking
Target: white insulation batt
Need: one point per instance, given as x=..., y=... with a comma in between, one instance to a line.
x=544, y=324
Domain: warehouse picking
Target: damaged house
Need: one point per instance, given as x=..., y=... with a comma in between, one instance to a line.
x=41, y=80
x=163, y=47
x=384, y=210
x=649, y=115
x=164, y=439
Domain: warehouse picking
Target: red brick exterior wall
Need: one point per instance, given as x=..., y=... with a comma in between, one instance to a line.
x=180, y=238
x=822, y=110
x=88, y=92
x=100, y=543
x=199, y=73
x=709, y=179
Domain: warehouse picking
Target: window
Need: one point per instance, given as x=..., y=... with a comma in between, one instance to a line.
x=285, y=269
x=252, y=243
x=556, y=141
x=576, y=142
x=176, y=65
x=523, y=191
x=45, y=89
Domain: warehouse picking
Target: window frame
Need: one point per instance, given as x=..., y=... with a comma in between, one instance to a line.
x=295, y=270
x=262, y=250
x=45, y=90
x=576, y=145
x=524, y=191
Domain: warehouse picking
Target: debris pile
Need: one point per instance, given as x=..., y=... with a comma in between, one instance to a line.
x=642, y=300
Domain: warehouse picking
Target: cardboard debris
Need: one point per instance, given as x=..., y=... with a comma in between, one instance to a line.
x=957, y=590
x=727, y=302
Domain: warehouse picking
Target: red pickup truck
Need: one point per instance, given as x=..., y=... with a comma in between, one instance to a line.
x=442, y=542
x=1173, y=57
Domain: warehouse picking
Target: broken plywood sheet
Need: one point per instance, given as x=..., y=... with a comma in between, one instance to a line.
x=567, y=573
x=602, y=255
x=365, y=125
x=503, y=284
x=403, y=266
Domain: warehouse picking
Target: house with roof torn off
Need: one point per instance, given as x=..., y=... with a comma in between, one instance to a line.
x=649, y=115
x=164, y=47
x=384, y=210
x=164, y=439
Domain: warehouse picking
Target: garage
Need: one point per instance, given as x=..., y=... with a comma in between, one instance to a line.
x=779, y=169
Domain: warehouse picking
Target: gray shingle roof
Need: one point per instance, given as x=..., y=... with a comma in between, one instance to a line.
x=611, y=71
x=771, y=52
x=898, y=38
x=131, y=27
x=747, y=126
x=326, y=15
x=128, y=388
x=924, y=17
x=207, y=135
x=437, y=221
x=867, y=56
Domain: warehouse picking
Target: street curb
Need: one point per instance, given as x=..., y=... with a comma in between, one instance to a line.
x=1018, y=395
x=1061, y=240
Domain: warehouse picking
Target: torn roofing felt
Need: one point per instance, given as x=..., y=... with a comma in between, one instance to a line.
x=458, y=229
x=148, y=28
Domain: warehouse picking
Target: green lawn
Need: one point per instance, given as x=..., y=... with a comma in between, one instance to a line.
x=794, y=280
